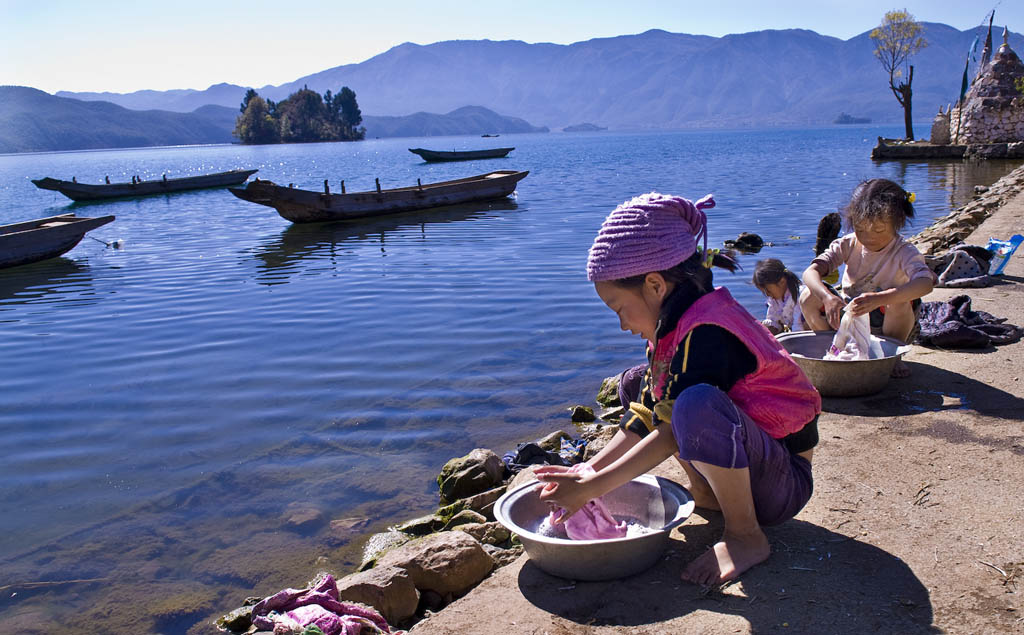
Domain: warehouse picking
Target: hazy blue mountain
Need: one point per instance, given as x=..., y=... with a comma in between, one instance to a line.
x=33, y=121
x=463, y=121
x=178, y=100
x=650, y=80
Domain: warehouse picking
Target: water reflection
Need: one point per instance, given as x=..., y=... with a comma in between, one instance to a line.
x=317, y=241
x=955, y=178
x=36, y=281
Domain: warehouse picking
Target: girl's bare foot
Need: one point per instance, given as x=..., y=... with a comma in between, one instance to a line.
x=728, y=558
x=900, y=369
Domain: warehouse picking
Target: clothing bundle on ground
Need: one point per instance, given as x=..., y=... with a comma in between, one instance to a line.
x=953, y=324
x=593, y=521
x=963, y=266
x=293, y=611
x=527, y=454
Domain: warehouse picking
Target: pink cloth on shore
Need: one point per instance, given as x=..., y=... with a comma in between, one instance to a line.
x=593, y=521
x=291, y=610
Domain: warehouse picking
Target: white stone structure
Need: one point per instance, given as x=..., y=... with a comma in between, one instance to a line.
x=993, y=109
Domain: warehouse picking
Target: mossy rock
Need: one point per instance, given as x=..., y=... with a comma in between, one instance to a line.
x=608, y=395
x=464, y=517
x=379, y=544
x=237, y=621
x=478, y=471
x=422, y=526
x=582, y=414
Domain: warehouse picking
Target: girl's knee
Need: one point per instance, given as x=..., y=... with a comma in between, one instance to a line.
x=700, y=401
x=808, y=299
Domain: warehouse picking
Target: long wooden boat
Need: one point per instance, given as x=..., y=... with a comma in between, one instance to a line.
x=305, y=206
x=43, y=238
x=90, y=192
x=464, y=155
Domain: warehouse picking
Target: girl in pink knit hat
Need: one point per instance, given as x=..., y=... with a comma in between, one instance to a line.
x=718, y=392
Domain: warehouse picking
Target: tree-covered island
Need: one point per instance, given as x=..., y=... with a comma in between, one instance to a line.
x=303, y=117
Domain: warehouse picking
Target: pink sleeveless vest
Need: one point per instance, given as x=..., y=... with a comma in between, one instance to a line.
x=777, y=395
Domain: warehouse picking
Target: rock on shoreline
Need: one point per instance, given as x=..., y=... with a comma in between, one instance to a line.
x=953, y=228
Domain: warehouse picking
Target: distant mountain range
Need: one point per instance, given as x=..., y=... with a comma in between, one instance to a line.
x=34, y=121
x=653, y=80
x=650, y=80
x=465, y=120
x=31, y=121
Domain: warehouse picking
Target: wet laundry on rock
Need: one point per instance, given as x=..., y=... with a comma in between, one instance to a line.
x=293, y=611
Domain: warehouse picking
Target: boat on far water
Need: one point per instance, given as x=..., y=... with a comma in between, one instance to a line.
x=44, y=238
x=464, y=155
x=305, y=206
x=137, y=187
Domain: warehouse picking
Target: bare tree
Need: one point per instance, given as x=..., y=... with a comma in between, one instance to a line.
x=897, y=39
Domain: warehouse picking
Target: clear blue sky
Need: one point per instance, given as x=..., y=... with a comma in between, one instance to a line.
x=123, y=46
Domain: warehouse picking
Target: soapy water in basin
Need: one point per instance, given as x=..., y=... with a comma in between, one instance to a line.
x=634, y=528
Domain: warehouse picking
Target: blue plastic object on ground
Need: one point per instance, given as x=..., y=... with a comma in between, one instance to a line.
x=1002, y=250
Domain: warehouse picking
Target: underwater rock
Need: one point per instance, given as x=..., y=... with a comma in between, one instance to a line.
x=478, y=471
x=448, y=563
x=582, y=414
x=342, y=530
x=303, y=517
x=390, y=590
x=608, y=395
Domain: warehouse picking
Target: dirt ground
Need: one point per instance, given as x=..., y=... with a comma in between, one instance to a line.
x=916, y=524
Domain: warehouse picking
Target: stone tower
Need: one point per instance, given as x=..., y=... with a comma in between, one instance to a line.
x=993, y=109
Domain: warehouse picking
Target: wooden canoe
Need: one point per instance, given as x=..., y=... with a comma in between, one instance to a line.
x=465, y=155
x=43, y=238
x=305, y=206
x=90, y=192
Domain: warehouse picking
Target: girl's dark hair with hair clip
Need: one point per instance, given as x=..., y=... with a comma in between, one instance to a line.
x=770, y=271
x=879, y=199
x=690, y=272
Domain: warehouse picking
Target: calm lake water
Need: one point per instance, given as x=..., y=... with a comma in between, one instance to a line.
x=165, y=403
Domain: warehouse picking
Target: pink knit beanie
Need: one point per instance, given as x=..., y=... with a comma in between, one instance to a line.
x=652, y=232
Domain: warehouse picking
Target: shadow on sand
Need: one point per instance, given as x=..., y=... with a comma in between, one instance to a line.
x=816, y=581
x=931, y=389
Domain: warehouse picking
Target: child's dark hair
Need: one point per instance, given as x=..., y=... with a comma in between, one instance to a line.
x=828, y=230
x=770, y=271
x=690, y=272
x=879, y=199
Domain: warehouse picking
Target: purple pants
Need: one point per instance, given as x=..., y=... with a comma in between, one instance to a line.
x=710, y=428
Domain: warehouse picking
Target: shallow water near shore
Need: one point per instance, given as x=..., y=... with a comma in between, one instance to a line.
x=165, y=403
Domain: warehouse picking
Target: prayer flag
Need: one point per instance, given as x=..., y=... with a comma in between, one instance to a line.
x=963, y=83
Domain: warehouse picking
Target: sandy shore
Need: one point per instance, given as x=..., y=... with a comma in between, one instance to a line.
x=916, y=524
